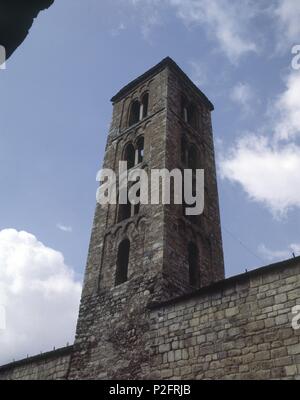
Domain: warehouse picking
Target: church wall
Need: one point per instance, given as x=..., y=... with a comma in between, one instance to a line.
x=240, y=328
x=47, y=366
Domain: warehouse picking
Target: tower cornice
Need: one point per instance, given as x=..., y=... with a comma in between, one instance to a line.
x=165, y=63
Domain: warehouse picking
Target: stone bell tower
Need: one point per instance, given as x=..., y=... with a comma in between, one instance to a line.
x=140, y=254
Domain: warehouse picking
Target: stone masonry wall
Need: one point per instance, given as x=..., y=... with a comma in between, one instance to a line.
x=204, y=229
x=240, y=328
x=111, y=335
x=107, y=232
x=51, y=365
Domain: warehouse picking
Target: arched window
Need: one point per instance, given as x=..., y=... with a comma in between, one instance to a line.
x=192, y=163
x=124, y=210
x=140, y=150
x=184, y=107
x=122, y=262
x=145, y=103
x=192, y=117
x=139, y=109
x=193, y=259
x=134, y=113
x=192, y=158
x=189, y=112
x=129, y=155
x=183, y=149
x=130, y=209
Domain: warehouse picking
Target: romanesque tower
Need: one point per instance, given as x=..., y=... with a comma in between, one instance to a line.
x=140, y=254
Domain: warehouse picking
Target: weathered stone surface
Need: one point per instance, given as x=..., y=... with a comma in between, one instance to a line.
x=51, y=365
x=261, y=349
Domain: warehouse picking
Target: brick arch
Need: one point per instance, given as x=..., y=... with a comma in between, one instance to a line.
x=117, y=234
x=119, y=149
x=144, y=88
x=129, y=230
x=142, y=224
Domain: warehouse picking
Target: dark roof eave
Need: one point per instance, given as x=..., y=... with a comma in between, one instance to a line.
x=166, y=62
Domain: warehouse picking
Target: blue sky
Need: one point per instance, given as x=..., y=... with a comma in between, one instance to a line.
x=55, y=110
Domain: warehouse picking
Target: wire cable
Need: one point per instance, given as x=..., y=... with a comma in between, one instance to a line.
x=242, y=244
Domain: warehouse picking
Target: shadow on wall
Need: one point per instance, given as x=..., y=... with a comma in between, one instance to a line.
x=16, y=18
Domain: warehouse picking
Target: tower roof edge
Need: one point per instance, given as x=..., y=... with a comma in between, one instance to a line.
x=166, y=62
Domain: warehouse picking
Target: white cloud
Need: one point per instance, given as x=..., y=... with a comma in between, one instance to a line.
x=64, y=228
x=287, y=13
x=39, y=293
x=224, y=20
x=234, y=25
x=287, y=108
x=276, y=255
x=268, y=174
x=243, y=94
x=268, y=168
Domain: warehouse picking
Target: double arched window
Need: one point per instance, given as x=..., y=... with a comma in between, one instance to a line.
x=129, y=210
x=129, y=155
x=122, y=262
x=134, y=153
x=124, y=210
x=138, y=109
